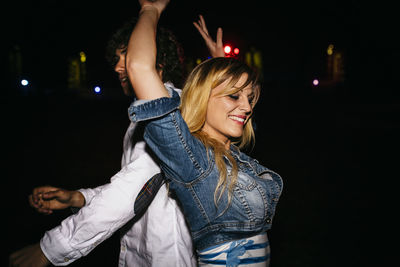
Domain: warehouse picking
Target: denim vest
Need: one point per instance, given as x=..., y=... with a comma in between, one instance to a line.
x=193, y=175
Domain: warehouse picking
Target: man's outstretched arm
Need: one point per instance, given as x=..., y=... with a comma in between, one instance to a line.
x=80, y=233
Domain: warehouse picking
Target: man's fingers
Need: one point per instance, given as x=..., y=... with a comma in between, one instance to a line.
x=203, y=34
x=203, y=24
x=44, y=209
x=219, y=37
x=37, y=192
x=32, y=202
x=36, y=195
x=51, y=194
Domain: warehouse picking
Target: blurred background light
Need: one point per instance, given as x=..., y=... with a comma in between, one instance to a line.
x=227, y=49
x=82, y=57
x=329, y=50
x=24, y=82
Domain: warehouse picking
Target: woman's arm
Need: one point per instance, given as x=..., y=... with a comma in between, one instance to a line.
x=142, y=52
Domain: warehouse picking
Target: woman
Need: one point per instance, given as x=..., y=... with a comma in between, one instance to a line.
x=227, y=197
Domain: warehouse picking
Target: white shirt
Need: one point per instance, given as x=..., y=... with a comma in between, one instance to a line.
x=159, y=238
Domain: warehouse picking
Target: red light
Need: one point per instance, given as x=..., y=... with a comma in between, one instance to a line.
x=227, y=49
x=236, y=51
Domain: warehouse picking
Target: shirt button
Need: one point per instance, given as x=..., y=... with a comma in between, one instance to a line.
x=66, y=259
x=123, y=248
x=268, y=220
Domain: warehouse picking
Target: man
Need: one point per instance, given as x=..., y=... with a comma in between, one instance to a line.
x=159, y=236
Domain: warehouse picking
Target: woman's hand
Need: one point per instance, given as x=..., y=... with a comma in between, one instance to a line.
x=160, y=5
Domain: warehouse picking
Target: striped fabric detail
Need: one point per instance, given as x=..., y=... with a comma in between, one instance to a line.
x=252, y=252
x=147, y=193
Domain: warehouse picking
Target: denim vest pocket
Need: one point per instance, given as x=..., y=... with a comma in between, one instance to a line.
x=251, y=198
x=274, y=181
x=273, y=186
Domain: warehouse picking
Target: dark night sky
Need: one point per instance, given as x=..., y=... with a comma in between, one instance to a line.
x=293, y=35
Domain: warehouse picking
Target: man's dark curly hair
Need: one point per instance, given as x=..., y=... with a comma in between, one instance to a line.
x=170, y=56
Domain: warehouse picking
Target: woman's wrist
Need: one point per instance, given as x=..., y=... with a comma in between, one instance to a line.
x=150, y=8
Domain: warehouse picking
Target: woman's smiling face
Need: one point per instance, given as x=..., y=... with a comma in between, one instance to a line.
x=227, y=114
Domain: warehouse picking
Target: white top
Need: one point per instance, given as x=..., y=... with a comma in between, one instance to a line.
x=159, y=238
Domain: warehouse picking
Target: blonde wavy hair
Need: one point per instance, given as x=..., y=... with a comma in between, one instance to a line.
x=194, y=101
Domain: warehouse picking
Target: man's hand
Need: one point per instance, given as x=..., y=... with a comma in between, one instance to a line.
x=30, y=256
x=46, y=199
x=215, y=47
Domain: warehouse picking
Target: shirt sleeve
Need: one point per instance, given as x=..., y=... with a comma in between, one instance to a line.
x=105, y=213
x=89, y=193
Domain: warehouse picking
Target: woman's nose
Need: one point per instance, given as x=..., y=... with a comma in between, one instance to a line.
x=245, y=105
